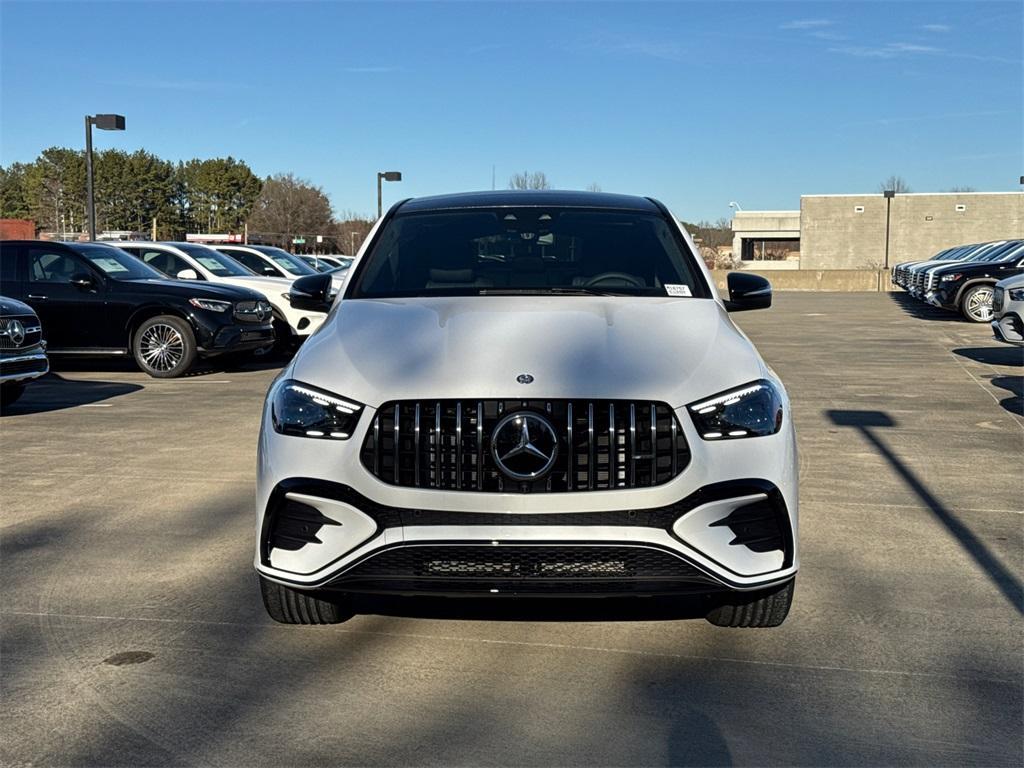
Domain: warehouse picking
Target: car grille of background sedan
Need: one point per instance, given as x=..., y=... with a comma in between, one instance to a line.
x=523, y=568
x=602, y=445
x=33, y=332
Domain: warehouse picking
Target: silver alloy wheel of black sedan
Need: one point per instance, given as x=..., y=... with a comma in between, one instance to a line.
x=977, y=304
x=164, y=347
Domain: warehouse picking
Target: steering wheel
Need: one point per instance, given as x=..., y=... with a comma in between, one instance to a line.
x=621, y=277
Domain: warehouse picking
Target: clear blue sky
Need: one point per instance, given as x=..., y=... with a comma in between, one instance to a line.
x=694, y=103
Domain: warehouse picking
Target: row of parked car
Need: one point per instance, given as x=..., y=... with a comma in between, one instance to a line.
x=981, y=281
x=165, y=304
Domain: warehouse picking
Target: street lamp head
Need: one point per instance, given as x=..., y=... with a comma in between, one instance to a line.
x=391, y=175
x=109, y=122
x=889, y=193
x=735, y=205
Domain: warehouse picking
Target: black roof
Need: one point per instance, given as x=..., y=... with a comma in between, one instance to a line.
x=508, y=198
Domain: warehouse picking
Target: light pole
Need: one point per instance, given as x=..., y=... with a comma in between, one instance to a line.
x=352, y=242
x=736, y=206
x=104, y=123
x=385, y=176
x=889, y=195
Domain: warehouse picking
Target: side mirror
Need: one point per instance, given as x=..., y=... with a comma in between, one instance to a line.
x=747, y=291
x=311, y=293
x=187, y=274
x=83, y=281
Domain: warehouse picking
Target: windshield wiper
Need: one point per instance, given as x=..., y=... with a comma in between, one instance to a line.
x=574, y=290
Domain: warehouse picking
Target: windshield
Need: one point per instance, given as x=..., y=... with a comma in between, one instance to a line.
x=116, y=263
x=214, y=261
x=287, y=261
x=485, y=251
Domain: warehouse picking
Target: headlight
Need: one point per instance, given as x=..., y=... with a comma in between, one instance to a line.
x=211, y=304
x=305, y=411
x=1016, y=294
x=951, y=278
x=753, y=410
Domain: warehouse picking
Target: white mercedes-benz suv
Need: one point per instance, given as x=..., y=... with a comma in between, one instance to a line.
x=528, y=393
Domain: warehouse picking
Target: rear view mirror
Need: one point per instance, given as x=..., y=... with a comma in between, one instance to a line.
x=311, y=293
x=187, y=274
x=747, y=291
x=270, y=271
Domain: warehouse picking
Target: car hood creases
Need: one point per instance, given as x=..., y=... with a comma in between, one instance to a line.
x=579, y=347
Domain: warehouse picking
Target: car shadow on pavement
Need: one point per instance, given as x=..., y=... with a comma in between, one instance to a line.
x=525, y=608
x=921, y=310
x=1002, y=355
x=207, y=367
x=54, y=393
x=868, y=423
x=1015, y=386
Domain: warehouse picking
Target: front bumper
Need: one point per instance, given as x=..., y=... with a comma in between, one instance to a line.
x=326, y=522
x=237, y=337
x=1009, y=329
x=23, y=365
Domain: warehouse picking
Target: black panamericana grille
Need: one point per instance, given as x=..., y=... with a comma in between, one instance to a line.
x=523, y=568
x=602, y=445
x=30, y=324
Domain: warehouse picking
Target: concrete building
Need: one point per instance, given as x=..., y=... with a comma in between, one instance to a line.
x=849, y=231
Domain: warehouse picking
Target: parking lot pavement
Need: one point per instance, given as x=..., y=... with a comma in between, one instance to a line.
x=132, y=632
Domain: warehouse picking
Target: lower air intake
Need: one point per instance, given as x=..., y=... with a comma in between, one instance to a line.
x=523, y=568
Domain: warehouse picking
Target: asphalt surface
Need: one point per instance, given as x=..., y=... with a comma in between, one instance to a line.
x=132, y=632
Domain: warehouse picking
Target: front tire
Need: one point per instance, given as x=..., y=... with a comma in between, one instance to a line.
x=293, y=606
x=976, y=304
x=764, y=608
x=164, y=347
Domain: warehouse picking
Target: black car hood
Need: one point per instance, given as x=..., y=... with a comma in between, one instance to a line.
x=972, y=266
x=193, y=289
x=14, y=307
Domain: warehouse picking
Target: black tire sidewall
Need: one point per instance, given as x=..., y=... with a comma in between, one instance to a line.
x=188, y=339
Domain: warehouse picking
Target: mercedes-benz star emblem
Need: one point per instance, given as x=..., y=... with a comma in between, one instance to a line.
x=524, y=378
x=16, y=332
x=524, y=445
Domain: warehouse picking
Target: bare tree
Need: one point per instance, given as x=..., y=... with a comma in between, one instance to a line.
x=961, y=189
x=289, y=207
x=593, y=187
x=528, y=180
x=894, y=183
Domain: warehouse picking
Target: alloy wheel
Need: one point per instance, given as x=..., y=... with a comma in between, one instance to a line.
x=979, y=304
x=162, y=347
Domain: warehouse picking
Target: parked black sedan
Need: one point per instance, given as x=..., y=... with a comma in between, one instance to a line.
x=967, y=287
x=94, y=299
x=22, y=349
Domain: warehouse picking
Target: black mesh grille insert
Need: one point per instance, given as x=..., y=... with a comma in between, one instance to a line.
x=523, y=568
x=602, y=445
x=294, y=525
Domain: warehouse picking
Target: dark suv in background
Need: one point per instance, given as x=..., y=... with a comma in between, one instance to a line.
x=22, y=349
x=967, y=287
x=94, y=299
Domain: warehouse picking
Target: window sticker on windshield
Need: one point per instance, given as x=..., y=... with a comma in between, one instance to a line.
x=677, y=290
x=110, y=266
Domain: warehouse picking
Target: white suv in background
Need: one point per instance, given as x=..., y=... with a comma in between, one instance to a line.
x=529, y=393
x=192, y=261
x=268, y=260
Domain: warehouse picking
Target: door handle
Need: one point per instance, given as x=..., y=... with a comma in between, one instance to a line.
x=37, y=298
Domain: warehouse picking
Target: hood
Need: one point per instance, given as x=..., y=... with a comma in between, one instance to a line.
x=199, y=289
x=270, y=287
x=14, y=307
x=664, y=349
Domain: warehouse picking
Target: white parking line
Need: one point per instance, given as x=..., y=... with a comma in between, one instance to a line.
x=97, y=405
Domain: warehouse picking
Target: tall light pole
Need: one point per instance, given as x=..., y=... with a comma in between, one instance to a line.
x=385, y=176
x=889, y=195
x=104, y=123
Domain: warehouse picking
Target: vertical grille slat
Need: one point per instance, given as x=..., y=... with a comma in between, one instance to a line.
x=607, y=445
